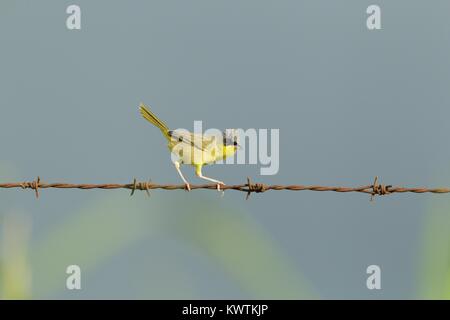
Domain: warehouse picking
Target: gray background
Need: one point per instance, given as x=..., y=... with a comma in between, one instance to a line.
x=350, y=104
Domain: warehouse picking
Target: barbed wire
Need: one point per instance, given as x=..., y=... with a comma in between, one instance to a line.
x=373, y=189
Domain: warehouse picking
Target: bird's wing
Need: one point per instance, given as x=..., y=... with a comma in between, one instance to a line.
x=198, y=141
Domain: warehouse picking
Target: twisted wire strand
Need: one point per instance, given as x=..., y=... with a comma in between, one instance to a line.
x=373, y=189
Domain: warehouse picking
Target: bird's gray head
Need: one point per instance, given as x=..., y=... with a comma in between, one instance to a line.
x=230, y=138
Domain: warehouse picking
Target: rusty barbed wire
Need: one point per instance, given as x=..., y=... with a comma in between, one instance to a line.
x=373, y=189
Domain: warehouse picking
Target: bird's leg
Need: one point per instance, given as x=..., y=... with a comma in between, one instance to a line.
x=198, y=172
x=177, y=166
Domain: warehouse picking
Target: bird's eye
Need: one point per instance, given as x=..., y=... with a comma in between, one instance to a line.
x=180, y=139
x=235, y=143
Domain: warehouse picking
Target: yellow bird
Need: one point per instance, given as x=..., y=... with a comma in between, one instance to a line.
x=195, y=149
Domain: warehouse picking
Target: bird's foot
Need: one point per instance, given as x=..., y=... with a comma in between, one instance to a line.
x=187, y=187
x=219, y=183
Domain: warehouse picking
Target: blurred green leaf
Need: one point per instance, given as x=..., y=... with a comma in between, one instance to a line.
x=243, y=250
x=15, y=277
x=87, y=239
x=435, y=259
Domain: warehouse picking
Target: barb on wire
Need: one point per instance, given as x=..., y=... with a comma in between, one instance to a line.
x=379, y=189
x=140, y=186
x=374, y=189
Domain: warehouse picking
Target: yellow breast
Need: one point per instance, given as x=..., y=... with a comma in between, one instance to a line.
x=191, y=155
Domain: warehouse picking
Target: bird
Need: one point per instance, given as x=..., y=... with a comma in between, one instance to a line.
x=195, y=149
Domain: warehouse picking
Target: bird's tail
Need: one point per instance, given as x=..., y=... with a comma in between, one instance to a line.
x=150, y=117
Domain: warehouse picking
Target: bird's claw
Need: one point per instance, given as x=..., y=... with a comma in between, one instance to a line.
x=219, y=184
x=187, y=187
